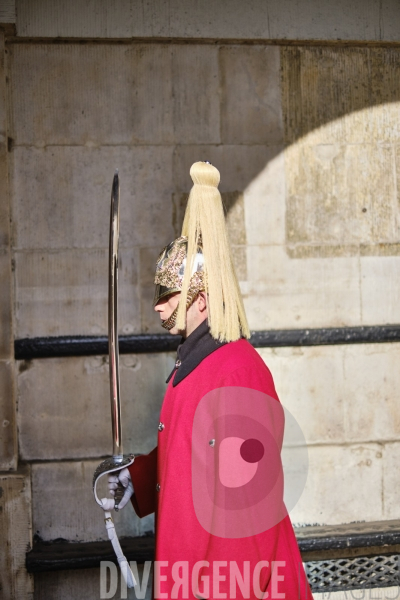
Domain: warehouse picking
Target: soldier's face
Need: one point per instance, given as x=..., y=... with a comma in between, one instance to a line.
x=195, y=315
x=166, y=306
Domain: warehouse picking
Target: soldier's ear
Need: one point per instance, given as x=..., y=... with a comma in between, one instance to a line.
x=202, y=301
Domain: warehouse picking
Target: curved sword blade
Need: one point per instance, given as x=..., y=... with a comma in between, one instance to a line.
x=113, y=322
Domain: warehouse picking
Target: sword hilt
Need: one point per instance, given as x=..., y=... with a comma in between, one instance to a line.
x=109, y=465
x=119, y=494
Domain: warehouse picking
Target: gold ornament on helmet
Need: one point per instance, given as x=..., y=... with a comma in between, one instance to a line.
x=201, y=260
x=170, y=269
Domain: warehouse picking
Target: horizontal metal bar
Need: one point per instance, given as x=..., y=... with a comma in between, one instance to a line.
x=53, y=347
x=61, y=555
x=354, y=535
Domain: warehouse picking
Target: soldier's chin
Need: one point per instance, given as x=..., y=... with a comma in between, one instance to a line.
x=166, y=324
x=172, y=329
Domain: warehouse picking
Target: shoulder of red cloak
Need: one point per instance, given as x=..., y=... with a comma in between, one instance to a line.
x=242, y=366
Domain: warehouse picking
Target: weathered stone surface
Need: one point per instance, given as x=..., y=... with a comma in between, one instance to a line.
x=4, y=188
x=7, y=11
x=339, y=394
x=151, y=94
x=391, y=480
x=150, y=321
x=66, y=193
x=352, y=92
x=65, y=292
x=278, y=19
x=340, y=107
x=339, y=197
x=310, y=384
x=250, y=82
x=133, y=82
x=57, y=488
x=83, y=584
x=15, y=535
x=64, y=405
x=283, y=293
x=264, y=199
x=8, y=427
x=6, y=349
x=380, y=289
x=371, y=379
x=238, y=164
x=195, y=95
x=344, y=483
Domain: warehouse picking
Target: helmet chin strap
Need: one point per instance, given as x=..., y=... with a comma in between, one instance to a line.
x=169, y=323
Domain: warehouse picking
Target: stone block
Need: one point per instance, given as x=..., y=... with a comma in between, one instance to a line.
x=150, y=321
x=339, y=197
x=65, y=292
x=391, y=480
x=15, y=535
x=58, y=488
x=340, y=95
x=4, y=188
x=195, y=90
x=344, y=484
x=6, y=341
x=238, y=164
x=82, y=584
x=134, y=83
x=151, y=94
x=66, y=193
x=106, y=18
x=372, y=380
x=339, y=394
x=250, y=87
x=64, y=405
x=7, y=12
x=283, y=293
x=310, y=384
x=265, y=203
x=8, y=427
x=380, y=288
x=4, y=193
x=361, y=20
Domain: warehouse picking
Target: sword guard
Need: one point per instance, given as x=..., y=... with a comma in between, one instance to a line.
x=110, y=465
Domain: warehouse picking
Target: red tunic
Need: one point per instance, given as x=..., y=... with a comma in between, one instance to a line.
x=163, y=483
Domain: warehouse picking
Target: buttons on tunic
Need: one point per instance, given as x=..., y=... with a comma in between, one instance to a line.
x=212, y=443
x=158, y=487
x=161, y=426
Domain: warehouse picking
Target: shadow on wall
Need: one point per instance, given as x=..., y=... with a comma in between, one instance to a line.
x=334, y=194
x=305, y=140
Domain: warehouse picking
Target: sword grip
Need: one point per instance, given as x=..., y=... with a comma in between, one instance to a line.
x=119, y=494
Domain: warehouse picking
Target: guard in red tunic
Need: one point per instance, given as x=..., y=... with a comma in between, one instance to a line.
x=215, y=479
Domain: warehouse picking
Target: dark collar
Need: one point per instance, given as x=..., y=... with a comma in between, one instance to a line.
x=192, y=350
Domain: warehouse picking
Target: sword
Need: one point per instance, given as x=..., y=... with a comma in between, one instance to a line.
x=118, y=460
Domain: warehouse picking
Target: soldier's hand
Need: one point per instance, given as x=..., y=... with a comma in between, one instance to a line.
x=117, y=480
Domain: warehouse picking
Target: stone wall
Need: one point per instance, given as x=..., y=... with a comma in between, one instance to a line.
x=306, y=139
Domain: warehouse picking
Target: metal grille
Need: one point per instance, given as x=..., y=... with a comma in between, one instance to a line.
x=353, y=573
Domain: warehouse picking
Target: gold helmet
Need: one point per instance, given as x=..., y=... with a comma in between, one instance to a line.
x=204, y=247
x=170, y=269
